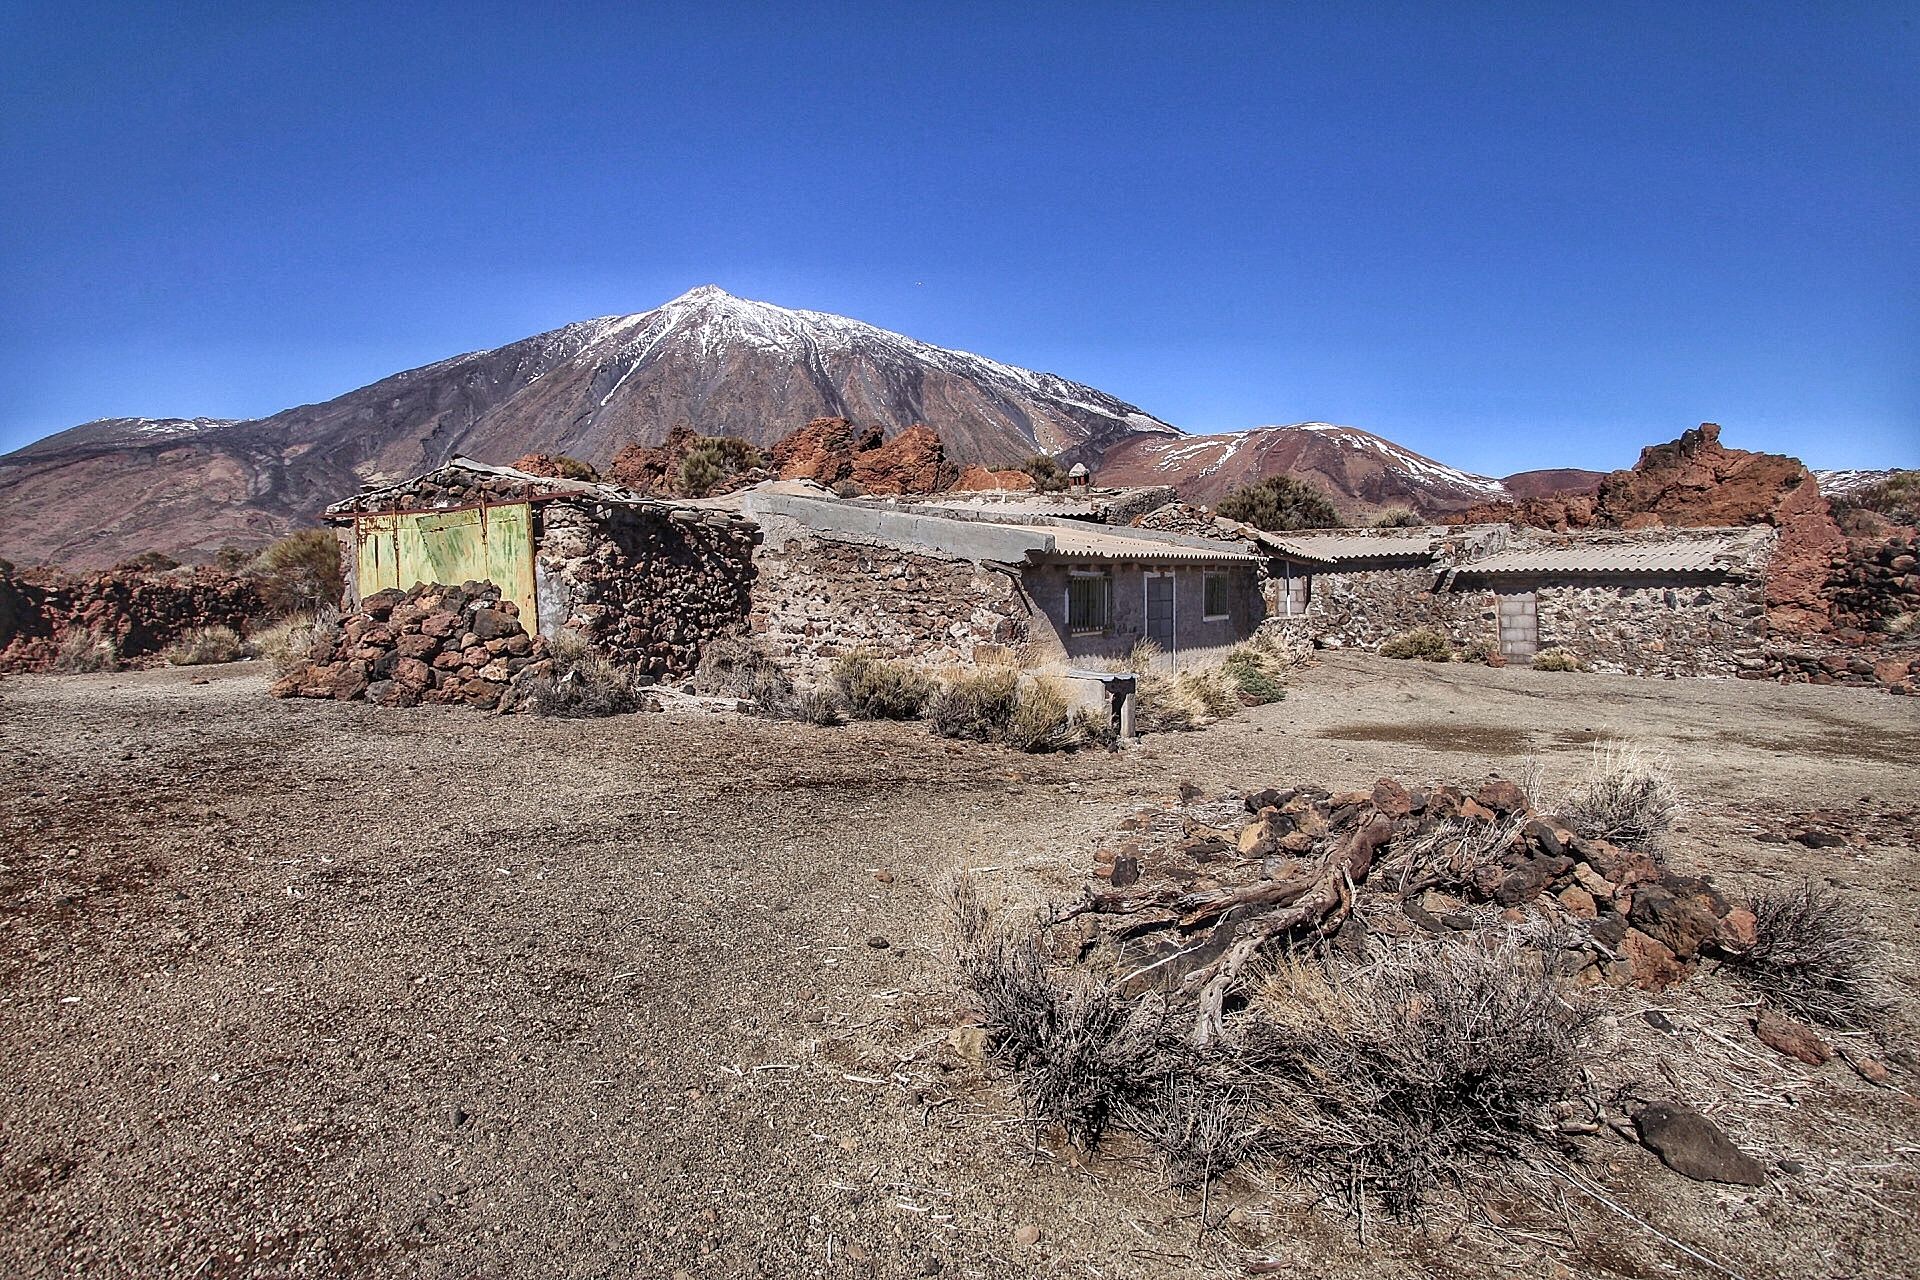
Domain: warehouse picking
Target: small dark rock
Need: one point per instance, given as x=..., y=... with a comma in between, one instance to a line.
x=878, y=943
x=1693, y=1146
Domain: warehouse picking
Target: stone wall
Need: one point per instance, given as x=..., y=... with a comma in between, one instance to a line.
x=139, y=613
x=1875, y=588
x=1360, y=608
x=648, y=586
x=818, y=598
x=1699, y=629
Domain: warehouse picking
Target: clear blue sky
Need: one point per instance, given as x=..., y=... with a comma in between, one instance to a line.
x=1511, y=235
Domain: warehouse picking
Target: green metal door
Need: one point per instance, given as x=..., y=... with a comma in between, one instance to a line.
x=450, y=547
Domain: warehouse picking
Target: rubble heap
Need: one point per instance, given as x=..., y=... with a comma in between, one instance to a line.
x=140, y=612
x=433, y=644
x=1193, y=893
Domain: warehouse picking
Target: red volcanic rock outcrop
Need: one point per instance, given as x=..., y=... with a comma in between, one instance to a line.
x=656, y=469
x=832, y=451
x=557, y=466
x=912, y=462
x=823, y=451
x=978, y=479
x=1696, y=481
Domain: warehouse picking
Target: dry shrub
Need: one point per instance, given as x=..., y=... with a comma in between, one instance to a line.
x=1042, y=719
x=1254, y=678
x=1396, y=518
x=976, y=705
x=1093, y=729
x=821, y=706
x=1483, y=652
x=1815, y=956
x=82, y=652
x=290, y=641
x=1380, y=1081
x=874, y=688
x=1423, y=643
x=1556, y=660
x=1397, y=1076
x=1079, y=1053
x=735, y=668
x=582, y=684
x=1624, y=799
x=204, y=646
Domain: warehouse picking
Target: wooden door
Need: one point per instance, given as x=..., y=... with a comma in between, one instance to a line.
x=1519, y=626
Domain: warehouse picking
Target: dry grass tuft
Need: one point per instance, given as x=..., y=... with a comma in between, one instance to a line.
x=204, y=646
x=291, y=640
x=1042, y=719
x=875, y=688
x=81, y=653
x=1625, y=799
x=1815, y=956
x=975, y=705
x=735, y=668
x=583, y=684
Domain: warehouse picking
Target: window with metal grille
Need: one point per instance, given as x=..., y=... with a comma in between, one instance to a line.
x=1089, y=603
x=1215, y=589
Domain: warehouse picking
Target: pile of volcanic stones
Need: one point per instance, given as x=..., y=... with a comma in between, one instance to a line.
x=433, y=644
x=1630, y=920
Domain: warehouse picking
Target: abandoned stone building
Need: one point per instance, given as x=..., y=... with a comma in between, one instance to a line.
x=940, y=584
x=1641, y=602
x=648, y=582
x=1050, y=580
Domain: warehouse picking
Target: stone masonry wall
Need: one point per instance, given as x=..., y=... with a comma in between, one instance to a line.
x=1705, y=629
x=1361, y=608
x=818, y=598
x=649, y=587
x=139, y=613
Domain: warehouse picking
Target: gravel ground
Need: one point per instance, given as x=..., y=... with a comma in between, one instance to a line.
x=315, y=989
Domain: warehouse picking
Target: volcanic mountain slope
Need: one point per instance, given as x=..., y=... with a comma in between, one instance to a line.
x=1361, y=471
x=727, y=366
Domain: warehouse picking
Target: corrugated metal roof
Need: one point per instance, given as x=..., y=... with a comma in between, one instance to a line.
x=1335, y=547
x=1100, y=545
x=1690, y=555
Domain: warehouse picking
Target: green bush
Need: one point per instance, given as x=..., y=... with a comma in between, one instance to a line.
x=1048, y=476
x=713, y=460
x=1280, y=503
x=1257, y=682
x=204, y=646
x=300, y=573
x=976, y=706
x=874, y=688
x=1423, y=643
x=1556, y=660
x=1397, y=518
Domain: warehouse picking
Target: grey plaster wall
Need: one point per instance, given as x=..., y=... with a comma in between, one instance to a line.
x=1197, y=641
